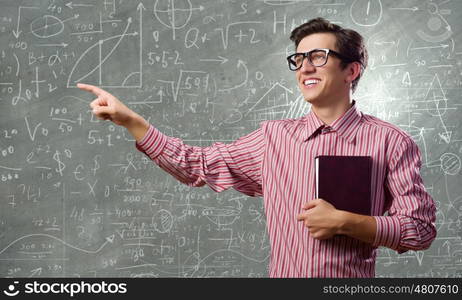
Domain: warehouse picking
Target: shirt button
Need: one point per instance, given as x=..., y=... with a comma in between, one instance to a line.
x=326, y=129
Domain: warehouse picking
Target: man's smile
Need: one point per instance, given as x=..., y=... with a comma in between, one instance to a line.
x=310, y=82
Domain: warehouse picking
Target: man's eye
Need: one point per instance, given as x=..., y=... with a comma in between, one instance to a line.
x=318, y=56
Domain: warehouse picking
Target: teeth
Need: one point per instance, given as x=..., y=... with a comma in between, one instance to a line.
x=311, y=81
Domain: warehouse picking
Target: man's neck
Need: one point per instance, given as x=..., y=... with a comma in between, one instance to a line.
x=329, y=113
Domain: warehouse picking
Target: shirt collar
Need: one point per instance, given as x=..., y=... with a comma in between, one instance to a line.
x=346, y=126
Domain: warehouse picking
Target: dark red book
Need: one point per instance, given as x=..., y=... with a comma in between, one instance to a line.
x=345, y=182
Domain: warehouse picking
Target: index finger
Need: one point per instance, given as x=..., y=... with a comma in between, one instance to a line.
x=91, y=88
x=309, y=204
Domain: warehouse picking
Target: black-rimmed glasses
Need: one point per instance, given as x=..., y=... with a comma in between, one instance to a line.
x=316, y=57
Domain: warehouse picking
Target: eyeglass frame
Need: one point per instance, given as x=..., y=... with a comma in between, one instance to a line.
x=307, y=55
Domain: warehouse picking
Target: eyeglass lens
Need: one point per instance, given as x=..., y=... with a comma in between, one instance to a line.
x=316, y=58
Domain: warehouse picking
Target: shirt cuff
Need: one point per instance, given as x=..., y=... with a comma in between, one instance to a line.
x=388, y=232
x=152, y=143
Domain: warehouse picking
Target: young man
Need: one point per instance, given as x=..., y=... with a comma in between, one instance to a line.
x=309, y=237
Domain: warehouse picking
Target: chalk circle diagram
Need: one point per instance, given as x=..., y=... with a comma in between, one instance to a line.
x=162, y=221
x=173, y=14
x=119, y=52
x=366, y=12
x=438, y=29
x=46, y=26
x=450, y=163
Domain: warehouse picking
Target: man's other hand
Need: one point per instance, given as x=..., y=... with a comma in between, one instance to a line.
x=322, y=219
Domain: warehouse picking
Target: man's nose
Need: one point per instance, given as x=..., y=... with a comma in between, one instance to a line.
x=307, y=66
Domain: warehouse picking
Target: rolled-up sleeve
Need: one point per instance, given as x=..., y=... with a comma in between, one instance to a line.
x=220, y=166
x=410, y=223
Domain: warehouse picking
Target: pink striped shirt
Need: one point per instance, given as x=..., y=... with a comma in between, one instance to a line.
x=276, y=161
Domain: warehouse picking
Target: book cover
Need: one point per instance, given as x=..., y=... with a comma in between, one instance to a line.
x=345, y=182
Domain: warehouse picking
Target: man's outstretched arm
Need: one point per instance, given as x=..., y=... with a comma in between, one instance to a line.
x=220, y=166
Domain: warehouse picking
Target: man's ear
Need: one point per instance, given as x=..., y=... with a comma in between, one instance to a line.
x=353, y=70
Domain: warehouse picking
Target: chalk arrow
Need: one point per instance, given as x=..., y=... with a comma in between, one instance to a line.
x=17, y=32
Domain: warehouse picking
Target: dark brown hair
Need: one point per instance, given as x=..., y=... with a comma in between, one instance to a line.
x=348, y=42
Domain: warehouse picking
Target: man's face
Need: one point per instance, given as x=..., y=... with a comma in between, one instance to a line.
x=332, y=86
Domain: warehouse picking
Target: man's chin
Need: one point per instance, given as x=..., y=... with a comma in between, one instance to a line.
x=311, y=100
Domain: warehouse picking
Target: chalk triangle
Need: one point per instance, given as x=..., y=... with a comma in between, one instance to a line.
x=446, y=136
